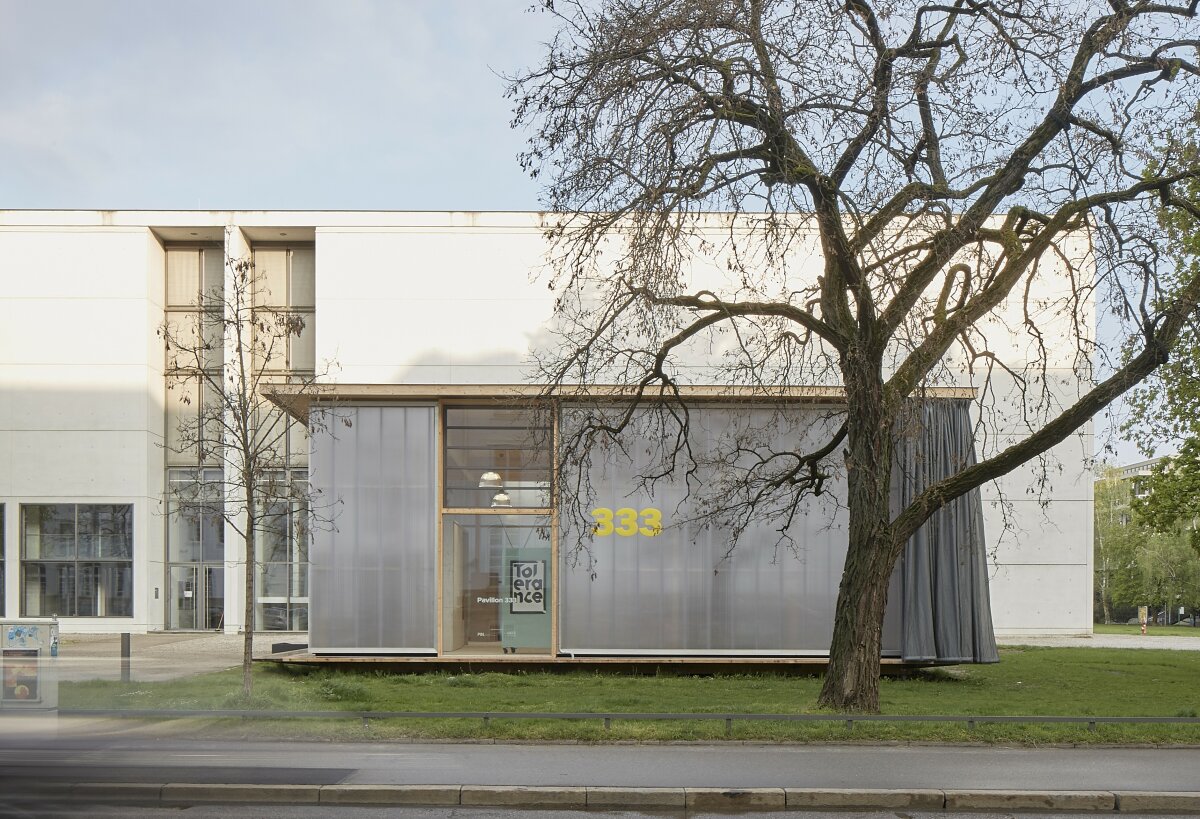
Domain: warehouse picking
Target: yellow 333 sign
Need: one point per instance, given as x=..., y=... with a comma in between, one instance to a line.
x=626, y=522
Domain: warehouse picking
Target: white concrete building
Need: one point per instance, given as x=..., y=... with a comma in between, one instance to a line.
x=433, y=309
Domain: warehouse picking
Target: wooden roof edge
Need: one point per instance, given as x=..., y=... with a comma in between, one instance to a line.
x=296, y=399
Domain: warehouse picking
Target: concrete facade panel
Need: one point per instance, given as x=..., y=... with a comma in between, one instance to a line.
x=75, y=331
x=80, y=463
x=74, y=263
x=1039, y=599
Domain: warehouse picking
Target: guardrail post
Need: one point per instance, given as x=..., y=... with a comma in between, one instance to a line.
x=1091, y=725
x=607, y=723
x=970, y=725
x=366, y=721
x=849, y=724
x=728, y=727
x=487, y=721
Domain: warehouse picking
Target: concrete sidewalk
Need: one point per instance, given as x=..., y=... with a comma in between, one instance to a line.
x=159, y=655
x=1177, y=638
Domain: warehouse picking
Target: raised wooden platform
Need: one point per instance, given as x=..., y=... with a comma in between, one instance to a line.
x=535, y=662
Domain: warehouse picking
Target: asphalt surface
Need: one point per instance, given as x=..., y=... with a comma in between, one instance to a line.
x=171, y=759
x=392, y=812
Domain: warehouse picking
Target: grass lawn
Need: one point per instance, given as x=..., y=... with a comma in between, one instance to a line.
x=1152, y=631
x=1027, y=681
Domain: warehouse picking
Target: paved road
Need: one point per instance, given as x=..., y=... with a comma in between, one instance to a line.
x=171, y=759
x=344, y=812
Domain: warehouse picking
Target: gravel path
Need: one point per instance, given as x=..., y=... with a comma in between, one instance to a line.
x=1173, y=642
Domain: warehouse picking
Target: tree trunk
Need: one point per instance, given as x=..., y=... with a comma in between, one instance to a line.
x=852, y=678
x=248, y=615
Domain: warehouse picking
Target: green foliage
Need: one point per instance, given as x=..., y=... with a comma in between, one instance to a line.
x=1171, y=500
x=1143, y=557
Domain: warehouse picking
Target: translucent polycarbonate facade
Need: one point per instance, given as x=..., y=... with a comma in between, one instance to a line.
x=681, y=565
x=373, y=566
x=652, y=580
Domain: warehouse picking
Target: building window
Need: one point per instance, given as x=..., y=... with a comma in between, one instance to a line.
x=497, y=568
x=77, y=560
x=281, y=566
x=195, y=549
x=496, y=458
x=3, y=594
x=195, y=280
x=286, y=278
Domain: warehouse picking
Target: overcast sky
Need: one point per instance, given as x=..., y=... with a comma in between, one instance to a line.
x=274, y=104
x=311, y=104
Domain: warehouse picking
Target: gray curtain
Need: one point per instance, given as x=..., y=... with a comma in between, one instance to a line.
x=947, y=613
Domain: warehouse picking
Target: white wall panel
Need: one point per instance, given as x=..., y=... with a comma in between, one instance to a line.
x=75, y=331
x=75, y=397
x=1042, y=599
x=84, y=463
x=98, y=264
x=1058, y=533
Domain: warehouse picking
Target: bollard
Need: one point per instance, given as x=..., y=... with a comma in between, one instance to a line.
x=125, y=657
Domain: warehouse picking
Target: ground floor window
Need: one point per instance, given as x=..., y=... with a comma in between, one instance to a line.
x=2, y=586
x=77, y=560
x=195, y=550
x=281, y=563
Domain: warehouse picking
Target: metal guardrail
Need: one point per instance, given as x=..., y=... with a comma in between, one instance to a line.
x=487, y=716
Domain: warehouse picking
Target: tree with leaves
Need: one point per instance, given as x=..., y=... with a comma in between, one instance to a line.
x=1115, y=538
x=936, y=159
x=231, y=350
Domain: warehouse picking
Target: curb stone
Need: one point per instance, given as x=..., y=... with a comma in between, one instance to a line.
x=1158, y=802
x=734, y=798
x=1005, y=800
x=615, y=798
x=636, y=798
x=863, y=799
x=390, y=794
x=282, y=794
x=528, y=797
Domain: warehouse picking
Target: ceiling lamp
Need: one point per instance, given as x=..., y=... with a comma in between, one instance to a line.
x=501, y=501
x=490, y=480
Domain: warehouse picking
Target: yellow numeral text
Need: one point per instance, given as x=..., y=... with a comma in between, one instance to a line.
x=626, y=522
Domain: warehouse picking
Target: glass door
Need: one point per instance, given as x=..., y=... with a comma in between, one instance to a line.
x=182, y=598
x=214, y=598
x=196, y=597
x=496, y=584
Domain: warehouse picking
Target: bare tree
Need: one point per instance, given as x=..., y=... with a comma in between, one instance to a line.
x=937, y=161
x=231, y=350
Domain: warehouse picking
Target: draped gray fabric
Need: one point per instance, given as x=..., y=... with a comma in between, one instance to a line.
x=947, y=616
